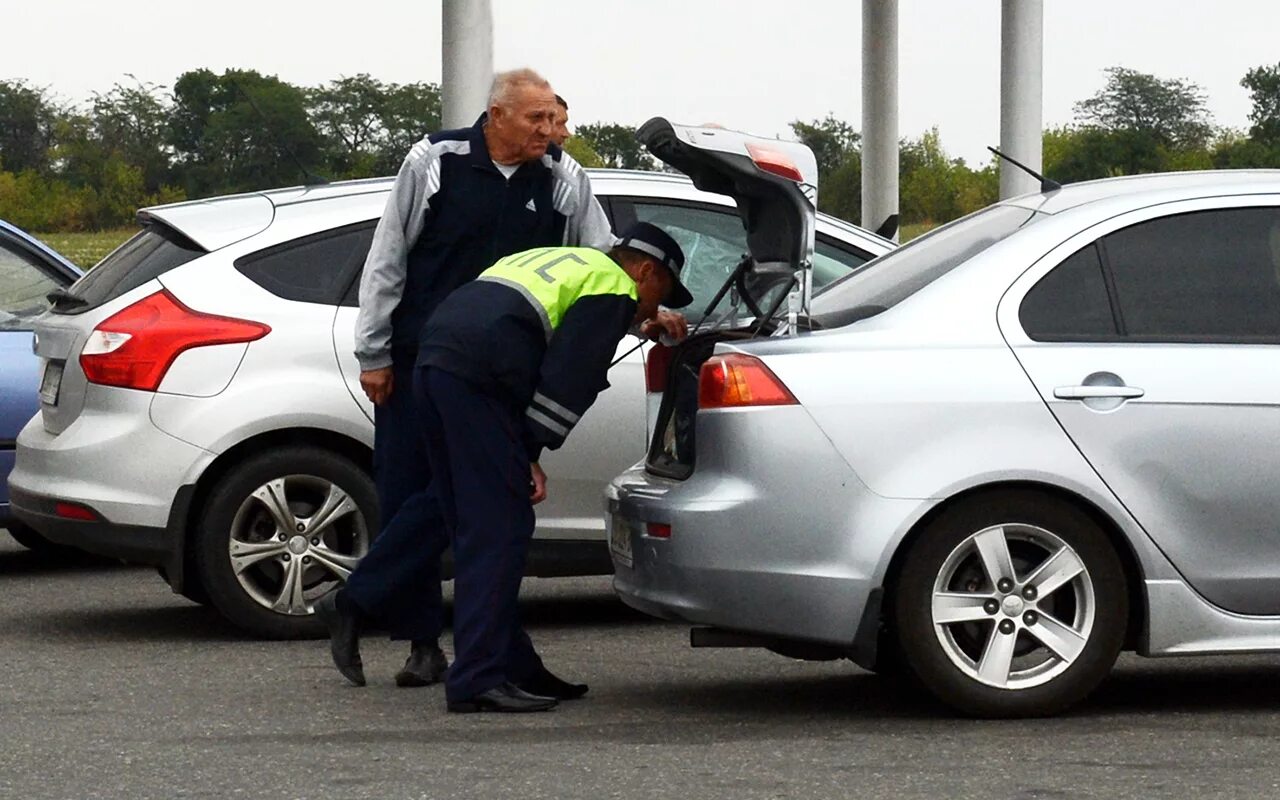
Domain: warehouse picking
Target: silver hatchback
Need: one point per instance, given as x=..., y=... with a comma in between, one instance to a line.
x=997, y=456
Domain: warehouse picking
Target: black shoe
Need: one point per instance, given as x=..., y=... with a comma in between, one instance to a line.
x=426, y=665
x=546, y=684
x=344, y=636
x=507, y=698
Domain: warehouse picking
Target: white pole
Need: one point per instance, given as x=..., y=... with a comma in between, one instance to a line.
x=467, y=60
x=1021, y=92
x=879, y=112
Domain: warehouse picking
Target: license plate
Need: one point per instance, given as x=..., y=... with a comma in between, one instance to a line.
x=51, y=383
x=620, y=541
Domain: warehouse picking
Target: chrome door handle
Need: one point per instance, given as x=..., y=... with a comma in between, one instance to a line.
x=1094, y=392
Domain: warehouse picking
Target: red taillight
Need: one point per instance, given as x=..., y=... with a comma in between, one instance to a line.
x=735, y=380
x=74, y=511
x=656, y=366
x=658, y=530
x=135, y=347
x=775, y=162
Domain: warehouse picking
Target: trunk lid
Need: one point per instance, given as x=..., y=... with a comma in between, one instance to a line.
x=775, y=187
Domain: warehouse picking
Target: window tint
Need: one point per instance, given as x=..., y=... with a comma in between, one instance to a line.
x=315, y=269
x=24, y=282
x=1070, y=303
x=888, y=280
x=1205, y=276
x=149, y=254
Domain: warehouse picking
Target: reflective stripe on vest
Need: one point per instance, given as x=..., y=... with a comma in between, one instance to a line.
x=553, y=278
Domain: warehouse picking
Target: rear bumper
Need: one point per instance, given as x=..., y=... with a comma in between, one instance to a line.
x=772, y=534
x=136, y=543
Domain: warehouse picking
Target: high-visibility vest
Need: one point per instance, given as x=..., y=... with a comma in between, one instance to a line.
x=553, y=278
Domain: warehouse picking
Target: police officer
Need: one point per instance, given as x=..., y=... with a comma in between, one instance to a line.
x=506, y=367
x=462, y=199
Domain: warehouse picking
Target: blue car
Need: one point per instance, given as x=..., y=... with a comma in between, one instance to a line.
x=29, y=271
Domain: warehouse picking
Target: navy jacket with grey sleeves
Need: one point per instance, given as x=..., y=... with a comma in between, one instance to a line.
x=450, y=215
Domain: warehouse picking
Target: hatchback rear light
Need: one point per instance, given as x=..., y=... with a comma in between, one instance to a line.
x=75, y=511
x=657, y=365
x=135, y=347
x=735, y=380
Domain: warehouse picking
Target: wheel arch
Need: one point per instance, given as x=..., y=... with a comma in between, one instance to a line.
x=1129, y=560
x=354, y=450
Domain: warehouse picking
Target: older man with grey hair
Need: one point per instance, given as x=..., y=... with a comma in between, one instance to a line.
x=462, y=200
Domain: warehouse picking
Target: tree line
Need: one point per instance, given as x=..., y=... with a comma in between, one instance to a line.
x=66, y=167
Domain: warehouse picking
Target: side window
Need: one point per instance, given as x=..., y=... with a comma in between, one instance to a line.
x=832, y=262
x=1070, y=304
x=315, y=269
x=713, y=242
x=24, y=283
x=1210, y=276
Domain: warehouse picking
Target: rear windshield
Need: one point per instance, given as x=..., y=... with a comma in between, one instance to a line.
x=153, y=251
x=893, y=277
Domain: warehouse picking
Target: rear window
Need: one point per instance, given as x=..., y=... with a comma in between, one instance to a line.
x=888, y=280
x=153, y=251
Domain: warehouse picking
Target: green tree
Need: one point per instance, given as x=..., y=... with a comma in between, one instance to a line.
x=241, y=131
x=580, y=150
x=616, y=145
x=347, y=113
x=1263, y=84
x=409, y=112
x=831, y=140
x=132, y=123
x=27, y=120
x=1171, y=111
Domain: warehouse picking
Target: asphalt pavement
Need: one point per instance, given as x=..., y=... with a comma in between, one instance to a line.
x=112, y=687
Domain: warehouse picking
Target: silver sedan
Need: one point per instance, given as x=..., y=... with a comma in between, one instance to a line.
x=995, y=457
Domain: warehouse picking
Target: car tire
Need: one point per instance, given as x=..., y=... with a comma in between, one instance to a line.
x=279, y=531
x=1028, y=644
x=37, y=543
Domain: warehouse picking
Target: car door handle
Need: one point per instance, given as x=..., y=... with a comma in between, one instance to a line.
x=1092, y=392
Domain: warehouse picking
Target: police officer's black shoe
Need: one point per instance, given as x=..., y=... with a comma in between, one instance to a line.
x=343, y=622
x=426, y=665
x=506, y=698
x=547, y=684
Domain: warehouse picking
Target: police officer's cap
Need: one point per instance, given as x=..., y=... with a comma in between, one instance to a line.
x=652, y=241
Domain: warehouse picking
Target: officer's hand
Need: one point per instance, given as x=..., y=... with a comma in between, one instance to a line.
x=377, y=384
x=539, y=484
x=672, y=323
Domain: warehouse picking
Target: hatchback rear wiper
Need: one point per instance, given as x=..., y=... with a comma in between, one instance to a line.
x=63, y=299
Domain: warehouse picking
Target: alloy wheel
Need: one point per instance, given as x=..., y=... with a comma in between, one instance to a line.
x=1013, y=606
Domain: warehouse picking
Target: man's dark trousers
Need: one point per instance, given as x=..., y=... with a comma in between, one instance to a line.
x=481, y=481
x=398, y=581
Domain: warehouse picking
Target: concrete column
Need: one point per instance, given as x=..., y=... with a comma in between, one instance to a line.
x=467, y=60
x=879, y=112
x=1021, y=93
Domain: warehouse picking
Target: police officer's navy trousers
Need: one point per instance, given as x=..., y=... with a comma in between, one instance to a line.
x=398, y=581
x=481, y=481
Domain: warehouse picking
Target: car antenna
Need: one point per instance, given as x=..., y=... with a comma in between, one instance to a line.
x=309, y=178
x=1046, y=184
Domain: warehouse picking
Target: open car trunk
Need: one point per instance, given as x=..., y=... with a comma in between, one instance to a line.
x=775, y=187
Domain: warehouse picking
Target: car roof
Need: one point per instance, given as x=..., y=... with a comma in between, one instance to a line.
x=1153, y=188
x=216, y=222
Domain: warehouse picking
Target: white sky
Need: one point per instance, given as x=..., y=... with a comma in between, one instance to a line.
x=746, y=64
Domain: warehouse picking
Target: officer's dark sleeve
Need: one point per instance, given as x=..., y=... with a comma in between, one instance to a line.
x=575, y=368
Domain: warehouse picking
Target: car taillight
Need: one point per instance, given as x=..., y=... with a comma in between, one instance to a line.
x=775, y=162
x=657, y=364
x=735, y=380
x=134, y=347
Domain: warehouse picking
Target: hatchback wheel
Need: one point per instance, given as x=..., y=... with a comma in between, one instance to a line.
x=1012, y=606
x=278, y=532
